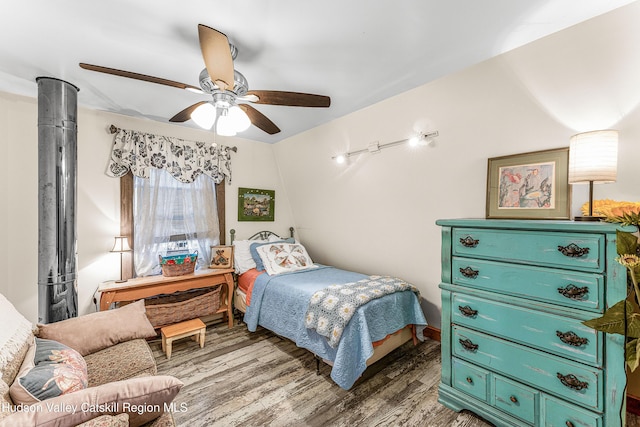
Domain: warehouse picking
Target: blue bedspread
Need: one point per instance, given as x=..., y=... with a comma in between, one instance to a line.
x=279, y=303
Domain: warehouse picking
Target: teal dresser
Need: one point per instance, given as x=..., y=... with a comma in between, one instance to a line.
x=514, y=350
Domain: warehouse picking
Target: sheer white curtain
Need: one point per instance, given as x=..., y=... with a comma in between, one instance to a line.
x=169, y=214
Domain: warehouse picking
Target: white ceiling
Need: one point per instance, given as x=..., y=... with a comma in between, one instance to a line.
x=358, y=52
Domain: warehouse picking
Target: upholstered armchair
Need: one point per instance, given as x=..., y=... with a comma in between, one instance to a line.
x=91, y=370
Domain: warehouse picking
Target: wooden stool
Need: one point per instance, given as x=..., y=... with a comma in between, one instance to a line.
x=182, y=330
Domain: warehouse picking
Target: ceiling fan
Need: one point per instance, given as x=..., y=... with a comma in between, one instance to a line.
x=229, y=89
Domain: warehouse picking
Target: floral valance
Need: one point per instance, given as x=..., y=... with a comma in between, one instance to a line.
x=184, y=160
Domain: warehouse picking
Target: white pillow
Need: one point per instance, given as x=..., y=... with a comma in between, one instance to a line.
x=242, y=259
x=284, y=257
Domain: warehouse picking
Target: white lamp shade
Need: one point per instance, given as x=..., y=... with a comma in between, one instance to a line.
x=204, y=116
x=593, y=156
x=121, y=244
x=225, y=126
x=239, y=118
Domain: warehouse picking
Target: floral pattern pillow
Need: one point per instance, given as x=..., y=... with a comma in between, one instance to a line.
x=49, y=369
x=256, y=257
x=279, y=258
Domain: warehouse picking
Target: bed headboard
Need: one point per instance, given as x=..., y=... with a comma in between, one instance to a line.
x=260, y=235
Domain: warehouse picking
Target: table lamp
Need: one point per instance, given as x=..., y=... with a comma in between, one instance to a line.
x=593, y=157
x=121, y=245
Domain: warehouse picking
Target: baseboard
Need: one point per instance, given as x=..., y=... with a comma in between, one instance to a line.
x=432, y=333
x=633, y=404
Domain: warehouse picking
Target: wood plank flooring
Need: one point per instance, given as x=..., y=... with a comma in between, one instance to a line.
x=259, y=379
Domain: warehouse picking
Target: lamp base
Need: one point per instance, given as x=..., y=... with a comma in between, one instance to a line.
x=588, y=218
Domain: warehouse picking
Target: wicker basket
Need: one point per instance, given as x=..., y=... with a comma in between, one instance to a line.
x=165, y=310
x=178, y=265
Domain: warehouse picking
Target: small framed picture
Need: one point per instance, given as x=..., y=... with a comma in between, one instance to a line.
x=221, y=257
x=255, y=204
x=529, y=185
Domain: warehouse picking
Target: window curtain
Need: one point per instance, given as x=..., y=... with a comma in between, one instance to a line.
x=174, y=200
x=140, y=152
x=170, y=215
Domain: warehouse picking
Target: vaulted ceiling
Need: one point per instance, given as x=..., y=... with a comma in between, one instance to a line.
x=358, y=52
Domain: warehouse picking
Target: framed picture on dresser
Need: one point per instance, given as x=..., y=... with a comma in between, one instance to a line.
x=530, y=185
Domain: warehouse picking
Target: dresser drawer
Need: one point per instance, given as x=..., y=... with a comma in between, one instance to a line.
x=515, y=399
x=572, y=381
x=560, y=335
x=565, y=250
x=562, y=287
x=558, y=413
x=470, y=379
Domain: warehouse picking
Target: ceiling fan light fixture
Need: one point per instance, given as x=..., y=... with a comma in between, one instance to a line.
x=204, y=116
x=226, y=86
x=239, y=119
x=225, y=125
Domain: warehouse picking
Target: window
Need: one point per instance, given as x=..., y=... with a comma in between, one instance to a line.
x=171, y=216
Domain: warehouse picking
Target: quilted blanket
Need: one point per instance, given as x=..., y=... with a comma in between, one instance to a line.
x=279, y=303
x=330, y=309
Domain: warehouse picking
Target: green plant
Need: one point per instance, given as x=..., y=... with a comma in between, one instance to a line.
x=624, y=317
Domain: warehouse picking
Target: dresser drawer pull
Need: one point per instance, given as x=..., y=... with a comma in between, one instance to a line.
x=470, y=380
x=469, y=272
x=513, y=399
x=469, y=242
x=573, y=292
x=572, y=338
x=572, y=381
x=468, y=344
x=573, y=250
x=467, y=311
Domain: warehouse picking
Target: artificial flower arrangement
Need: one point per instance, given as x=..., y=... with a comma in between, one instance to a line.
x=624, y=317
x=626, y=213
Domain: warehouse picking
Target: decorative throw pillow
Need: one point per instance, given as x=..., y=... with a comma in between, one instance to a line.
x=284, y=257
x=256, y=257
x=142, y=398
x=49, y=369
x=95, y=331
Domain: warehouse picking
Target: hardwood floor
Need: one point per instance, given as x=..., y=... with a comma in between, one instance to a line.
x=259, y=379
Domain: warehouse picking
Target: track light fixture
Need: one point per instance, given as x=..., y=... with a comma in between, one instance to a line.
x=375, y=147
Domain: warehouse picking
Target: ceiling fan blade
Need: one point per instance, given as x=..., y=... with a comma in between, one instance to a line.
x=185, y=114
x=142, y=77
x=294, y=99
x=217, y=56
x=259, y=120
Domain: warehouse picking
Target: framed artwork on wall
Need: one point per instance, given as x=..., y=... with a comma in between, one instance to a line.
x=221, y=257
x=530, y=185
x=256, y=205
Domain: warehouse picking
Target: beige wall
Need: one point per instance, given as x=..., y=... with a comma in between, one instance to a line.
x=377, y=214
x=19, y=211
x=98, y=196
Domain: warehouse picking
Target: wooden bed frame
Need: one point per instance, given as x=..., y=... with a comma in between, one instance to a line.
x=390, y=343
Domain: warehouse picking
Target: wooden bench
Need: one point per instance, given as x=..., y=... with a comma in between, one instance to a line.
x=180, y=330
